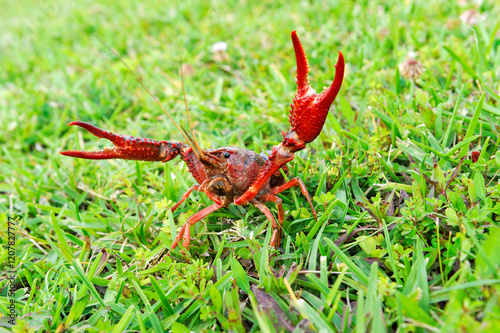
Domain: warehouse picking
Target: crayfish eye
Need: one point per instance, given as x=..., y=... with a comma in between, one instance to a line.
x=226, y=155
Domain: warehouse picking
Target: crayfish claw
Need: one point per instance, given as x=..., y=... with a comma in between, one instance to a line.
x=127, y=147
x=302, y=66
x=310, y=109
x=105, y=154
x=307, y=117
x=117, y=140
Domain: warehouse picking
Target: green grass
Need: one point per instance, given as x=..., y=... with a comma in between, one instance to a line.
x=392, y=168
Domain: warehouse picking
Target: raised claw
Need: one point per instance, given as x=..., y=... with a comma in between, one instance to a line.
x=307, y=117
x=309, y=109
x=127, y=147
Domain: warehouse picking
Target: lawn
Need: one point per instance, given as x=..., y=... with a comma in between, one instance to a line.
x=404, y=176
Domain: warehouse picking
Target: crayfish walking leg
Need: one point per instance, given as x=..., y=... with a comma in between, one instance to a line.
x=185, y=196
x=274, y=226
x=277, y=231
x=185, y=232
x=296, y=182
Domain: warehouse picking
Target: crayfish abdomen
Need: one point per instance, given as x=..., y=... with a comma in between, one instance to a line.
x=235, y=175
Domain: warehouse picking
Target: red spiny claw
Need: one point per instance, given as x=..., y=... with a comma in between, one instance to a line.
x=309, y=109
x=127, y=147
x=307, y=117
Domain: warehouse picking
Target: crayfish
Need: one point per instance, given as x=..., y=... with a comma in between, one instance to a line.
x=230, y=174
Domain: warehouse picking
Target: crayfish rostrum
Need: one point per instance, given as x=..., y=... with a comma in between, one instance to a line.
x=230, y=174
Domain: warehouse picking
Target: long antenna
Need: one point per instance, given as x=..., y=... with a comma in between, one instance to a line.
x=189, y=114
x=184, y=134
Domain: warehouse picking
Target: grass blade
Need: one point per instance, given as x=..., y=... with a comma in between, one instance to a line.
x=472, y=125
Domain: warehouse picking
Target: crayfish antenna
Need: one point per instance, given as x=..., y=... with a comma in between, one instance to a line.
x=188, y=139
x=194, y=141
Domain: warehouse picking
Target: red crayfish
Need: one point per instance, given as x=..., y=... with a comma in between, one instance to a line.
x=230, y=174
